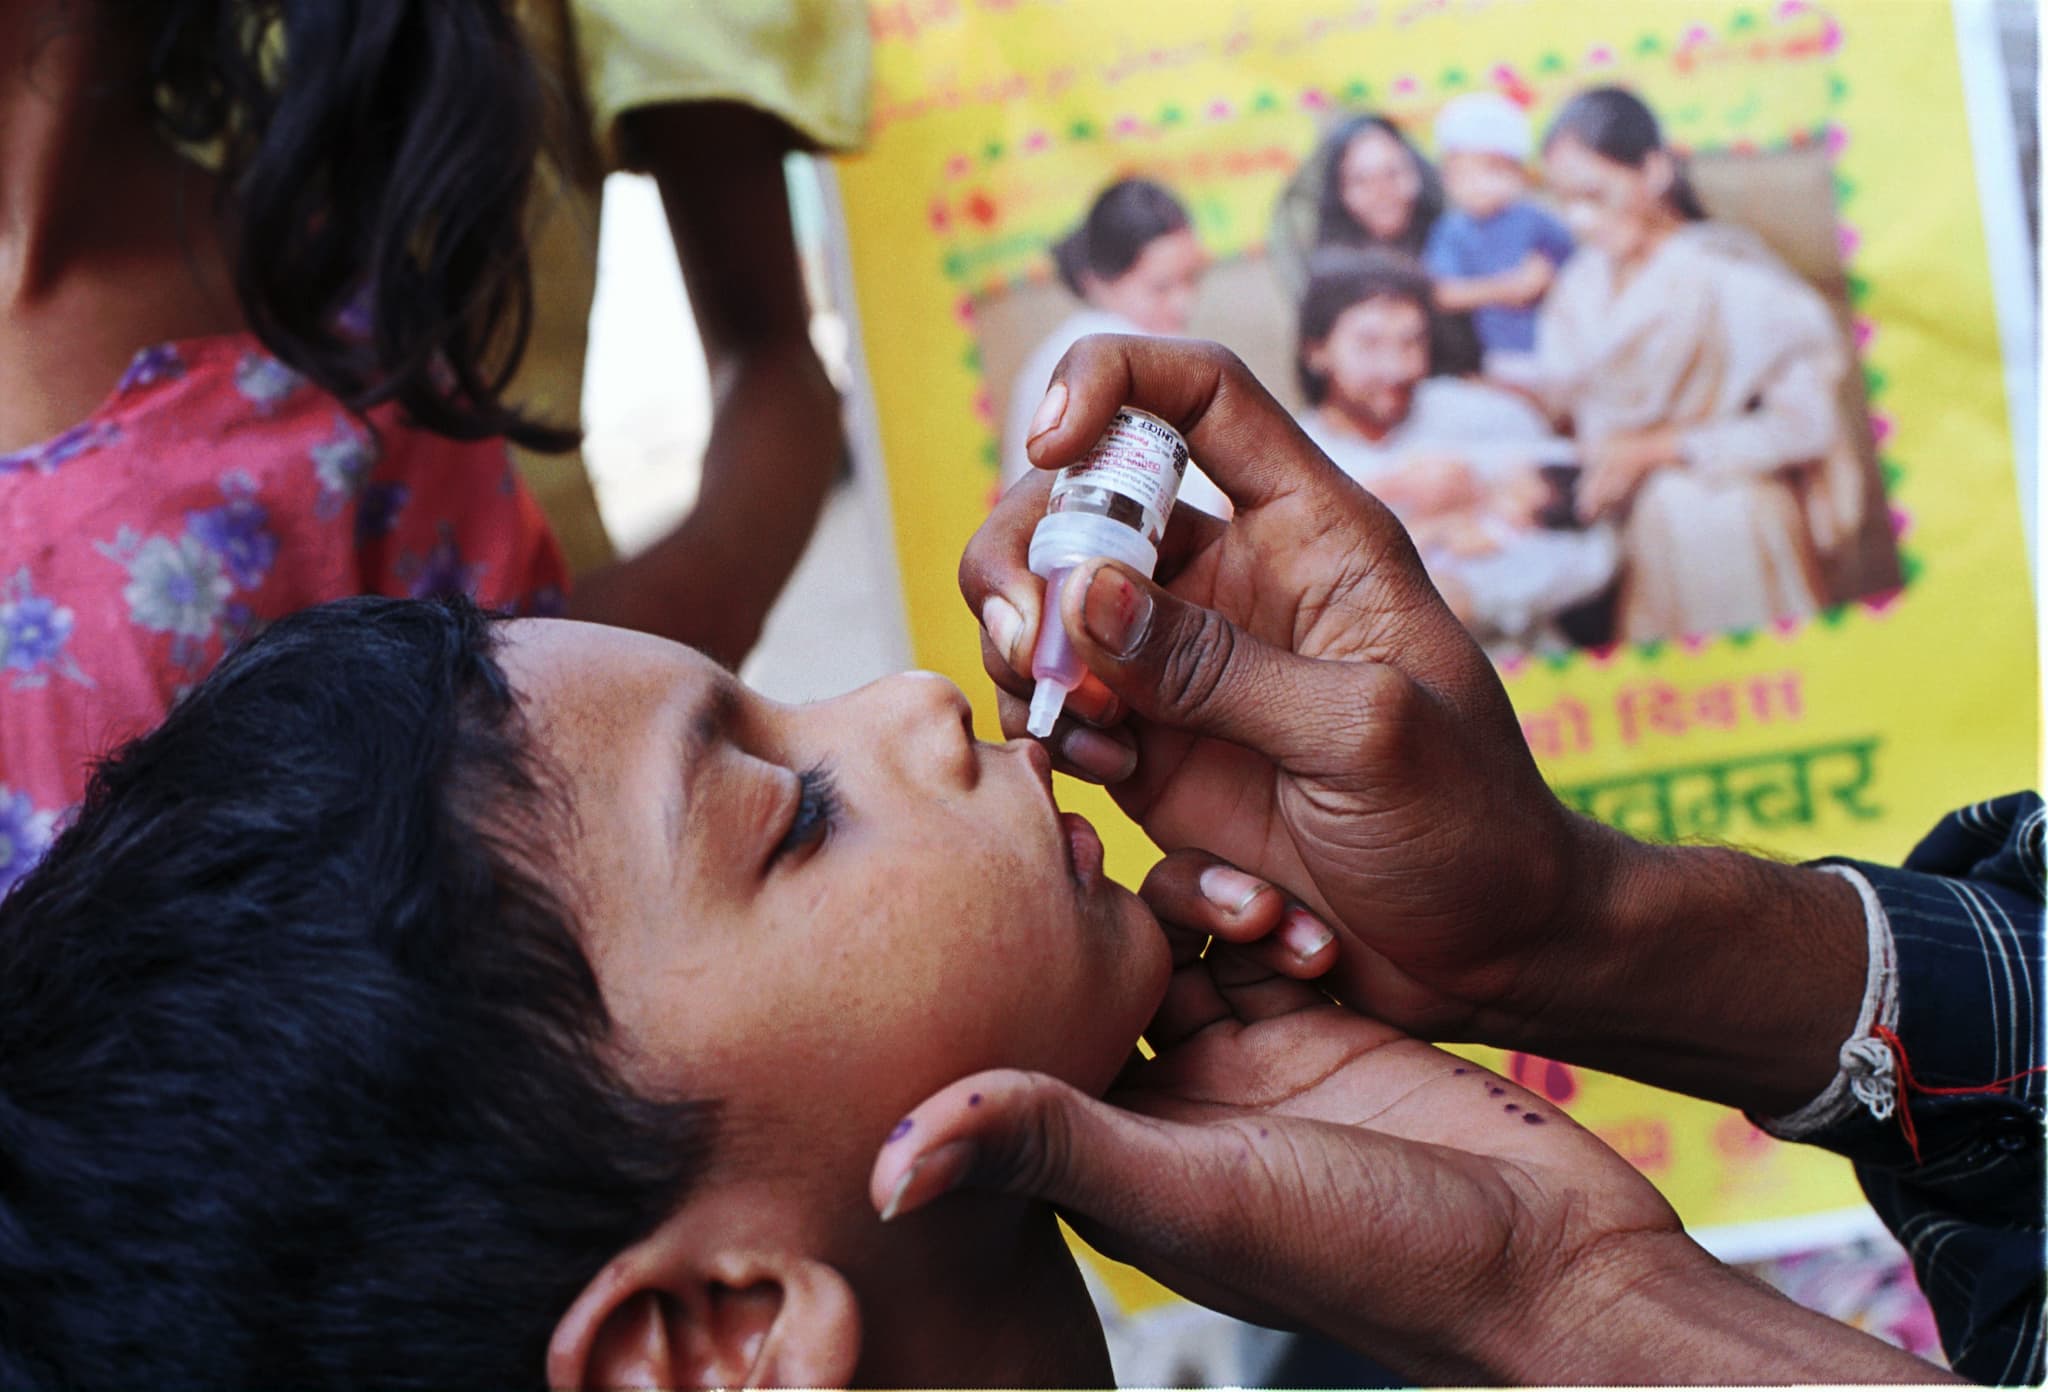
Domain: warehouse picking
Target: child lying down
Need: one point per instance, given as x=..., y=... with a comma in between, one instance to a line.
x=444, y=1003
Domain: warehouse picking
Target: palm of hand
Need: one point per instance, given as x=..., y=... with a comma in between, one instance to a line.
x=1475, y=1186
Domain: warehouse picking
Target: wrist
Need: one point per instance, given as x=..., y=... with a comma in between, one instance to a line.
x=1699, y=969
x=1574, y=956
x=1655, y=1308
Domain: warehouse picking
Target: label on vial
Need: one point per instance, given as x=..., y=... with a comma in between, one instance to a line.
x=1139, y=456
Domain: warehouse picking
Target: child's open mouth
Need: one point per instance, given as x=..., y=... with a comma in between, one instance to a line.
x=1084, y=847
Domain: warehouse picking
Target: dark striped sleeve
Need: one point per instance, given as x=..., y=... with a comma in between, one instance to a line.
x=1966, y=919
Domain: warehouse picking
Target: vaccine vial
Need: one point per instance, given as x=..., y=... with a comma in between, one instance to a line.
x=1112, y=502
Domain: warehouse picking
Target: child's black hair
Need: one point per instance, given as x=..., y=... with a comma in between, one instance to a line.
x=304, y=1074
x=1339, y=278
x=376, y=158
x=1335, y=226
x=1617, y=125
x=1125, y=218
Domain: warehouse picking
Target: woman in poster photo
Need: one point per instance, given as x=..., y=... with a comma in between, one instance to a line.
x=1700, y=375
x=1135, y=265
x=1367, y=188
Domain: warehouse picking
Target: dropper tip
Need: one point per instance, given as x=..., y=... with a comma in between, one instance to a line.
x=1046, y=701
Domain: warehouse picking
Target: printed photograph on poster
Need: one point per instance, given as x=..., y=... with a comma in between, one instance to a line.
x=1830, y=361
x=1611, y=386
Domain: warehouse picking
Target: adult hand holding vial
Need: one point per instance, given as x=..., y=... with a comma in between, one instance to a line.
x=1112, y=502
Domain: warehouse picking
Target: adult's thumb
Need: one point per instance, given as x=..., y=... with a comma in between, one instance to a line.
x=1192, y=668
x=1032, y=1136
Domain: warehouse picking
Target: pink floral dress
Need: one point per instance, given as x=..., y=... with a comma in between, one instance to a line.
x=214, y=491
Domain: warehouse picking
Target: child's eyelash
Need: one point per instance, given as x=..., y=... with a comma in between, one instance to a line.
x=817, y=807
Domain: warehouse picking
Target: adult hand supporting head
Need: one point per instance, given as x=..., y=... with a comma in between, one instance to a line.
x=1293, y=1163
x=1300, y=700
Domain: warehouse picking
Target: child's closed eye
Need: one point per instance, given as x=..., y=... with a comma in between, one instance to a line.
x=817, y=807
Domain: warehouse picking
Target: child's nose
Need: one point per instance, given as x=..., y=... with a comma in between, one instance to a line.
x=933, y=724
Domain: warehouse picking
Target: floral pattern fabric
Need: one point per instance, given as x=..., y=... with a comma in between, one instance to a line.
x=215, y=491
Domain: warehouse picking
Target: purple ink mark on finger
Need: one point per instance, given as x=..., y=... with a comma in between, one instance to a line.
x=974, y=1099
x=1496, y=1092
x=1263, y=1133
x=1532, y=1118
x=901, y=1130
x=1511, y=1108
x=1459, y=1072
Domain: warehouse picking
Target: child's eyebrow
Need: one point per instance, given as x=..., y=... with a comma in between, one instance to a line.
x=704, y=724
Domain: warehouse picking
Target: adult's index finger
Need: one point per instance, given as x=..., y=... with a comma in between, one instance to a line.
x=1244, y=439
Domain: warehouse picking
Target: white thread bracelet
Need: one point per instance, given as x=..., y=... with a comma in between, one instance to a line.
x=1867, y=1076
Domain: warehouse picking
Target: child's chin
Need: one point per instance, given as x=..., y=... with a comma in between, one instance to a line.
x=1147, y=974
x=1145, y=937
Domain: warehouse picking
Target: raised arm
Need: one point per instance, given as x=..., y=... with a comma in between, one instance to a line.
x=776, y=442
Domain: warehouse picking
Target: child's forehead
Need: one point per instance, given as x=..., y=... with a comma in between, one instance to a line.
x=560, y=666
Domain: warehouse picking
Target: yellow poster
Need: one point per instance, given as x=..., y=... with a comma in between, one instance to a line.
x=1735, y=517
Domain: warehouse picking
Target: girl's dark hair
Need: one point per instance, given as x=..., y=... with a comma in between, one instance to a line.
x=1339, y=278
x=1618, y=126
x=375, y=158
x=1335, y=226
x=306, y=1079
x=1125, y=218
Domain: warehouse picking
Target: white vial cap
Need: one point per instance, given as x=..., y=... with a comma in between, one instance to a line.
x=1046, y=701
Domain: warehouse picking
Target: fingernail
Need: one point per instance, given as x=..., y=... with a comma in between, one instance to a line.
x=1003, y=624
x=932, y=1176
x=1049, y=411
x=1230, y=890
x=896, y=1195
x=1115, y=612
x=1304, y=934
x=1101, y=756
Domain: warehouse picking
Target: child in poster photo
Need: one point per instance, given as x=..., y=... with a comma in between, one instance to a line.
x=1495, y=250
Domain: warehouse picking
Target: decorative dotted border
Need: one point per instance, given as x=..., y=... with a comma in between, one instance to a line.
x=1694, y=44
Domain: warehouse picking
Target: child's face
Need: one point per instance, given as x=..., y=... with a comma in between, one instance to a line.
x=1375, y=356
x=1159, y=291
x=1482, y=184
x=820, y=914
x=1378, y=184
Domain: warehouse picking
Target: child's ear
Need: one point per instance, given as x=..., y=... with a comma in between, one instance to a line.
x=665, y=1314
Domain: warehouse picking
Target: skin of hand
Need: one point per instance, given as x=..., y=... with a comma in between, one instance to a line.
x=1618, y=465
x=1520, y=495
x=1463, y=535
x=1426, y=484
x=1519, y=288
x=1295, y=698
x=1289, y=1162
x=776, y=439
x=1458, y=598
x=1532, y=280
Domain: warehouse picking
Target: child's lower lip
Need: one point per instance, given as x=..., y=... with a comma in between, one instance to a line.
x=1084, y=847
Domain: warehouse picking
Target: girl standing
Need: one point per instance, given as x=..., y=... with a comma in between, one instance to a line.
x=262, y=281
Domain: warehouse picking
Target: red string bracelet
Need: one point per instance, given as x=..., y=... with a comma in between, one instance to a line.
x=1909, y=1084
